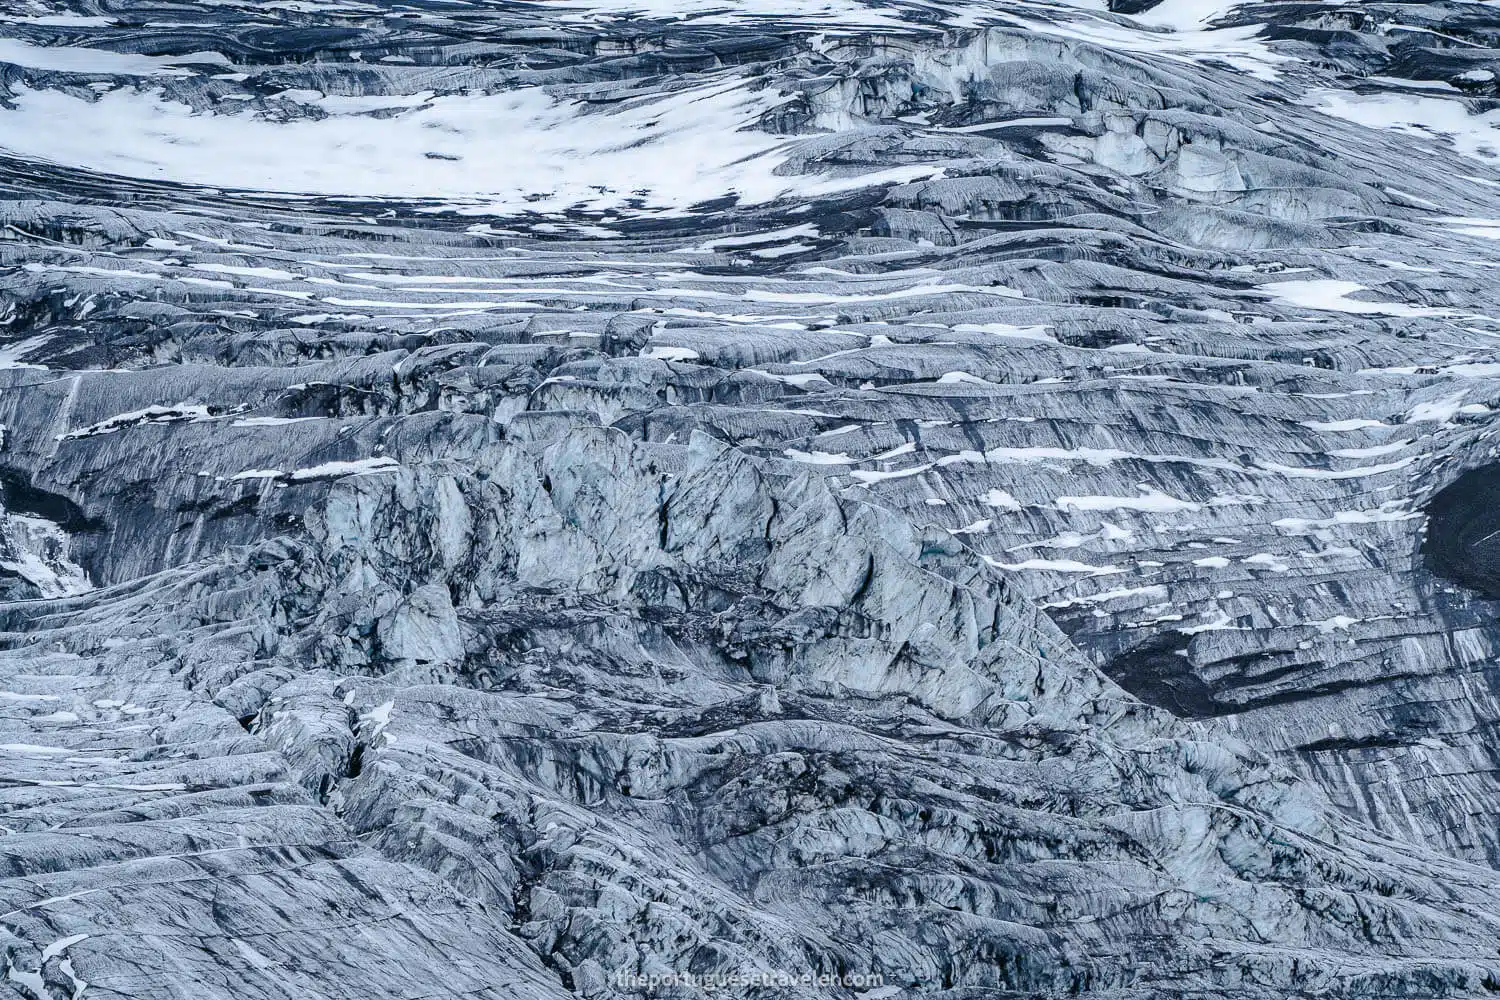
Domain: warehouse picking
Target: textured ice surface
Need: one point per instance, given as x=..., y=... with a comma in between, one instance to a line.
x=509, y=500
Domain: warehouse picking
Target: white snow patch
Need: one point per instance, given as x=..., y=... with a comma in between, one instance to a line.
x=267, y=273
x=962, y=378
x=905, y=448
x=869, y=478
x=1374, y=451
x=31, y=980
x=1297, y=472
x=11, y=354
x=1481, y=369
x=100, y=62
x=14, y=696
x=327, y=470
x=1334, y=624
x=1008, y=331
x=756, y=239
x=149, y=415
x=1339, y=426
x=313, y=319
x=271, y=421
x=1331, y=295
x=1001, y=500
x=1440, y=411
x=818, y=457
x=380, y=716
x=64, y=20
x=1474, y=136
x=1150, y=501
x=832, y=13
x=668, y=352
x=1220, y=624
x=798, y=379
x=1180, y=33
x=830, y=298
x=1055, y=566
x=58, y=947
x=34, y=750
x=1152, y=591
x=991, y=126
x=771, y=253
x=520, y=150
x=1093, y=456
x=359, y=467
x=79, y=984
x=41, y=547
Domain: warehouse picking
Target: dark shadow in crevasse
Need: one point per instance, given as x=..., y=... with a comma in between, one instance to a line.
x=1157, y=672
x=1463, y=531
x=20, y=497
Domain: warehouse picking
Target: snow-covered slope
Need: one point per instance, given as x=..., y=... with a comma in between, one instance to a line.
x=516, y=499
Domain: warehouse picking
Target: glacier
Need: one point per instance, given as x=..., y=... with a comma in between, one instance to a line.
x=783, y=499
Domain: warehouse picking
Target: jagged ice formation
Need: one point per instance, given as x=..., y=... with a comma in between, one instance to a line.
x=500, y=498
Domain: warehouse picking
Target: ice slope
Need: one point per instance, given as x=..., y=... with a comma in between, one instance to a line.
x=996, y=497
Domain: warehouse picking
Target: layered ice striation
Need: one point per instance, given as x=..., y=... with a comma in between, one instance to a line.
x=509, y=500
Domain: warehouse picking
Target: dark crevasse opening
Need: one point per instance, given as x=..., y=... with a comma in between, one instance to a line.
x=1463, y=531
